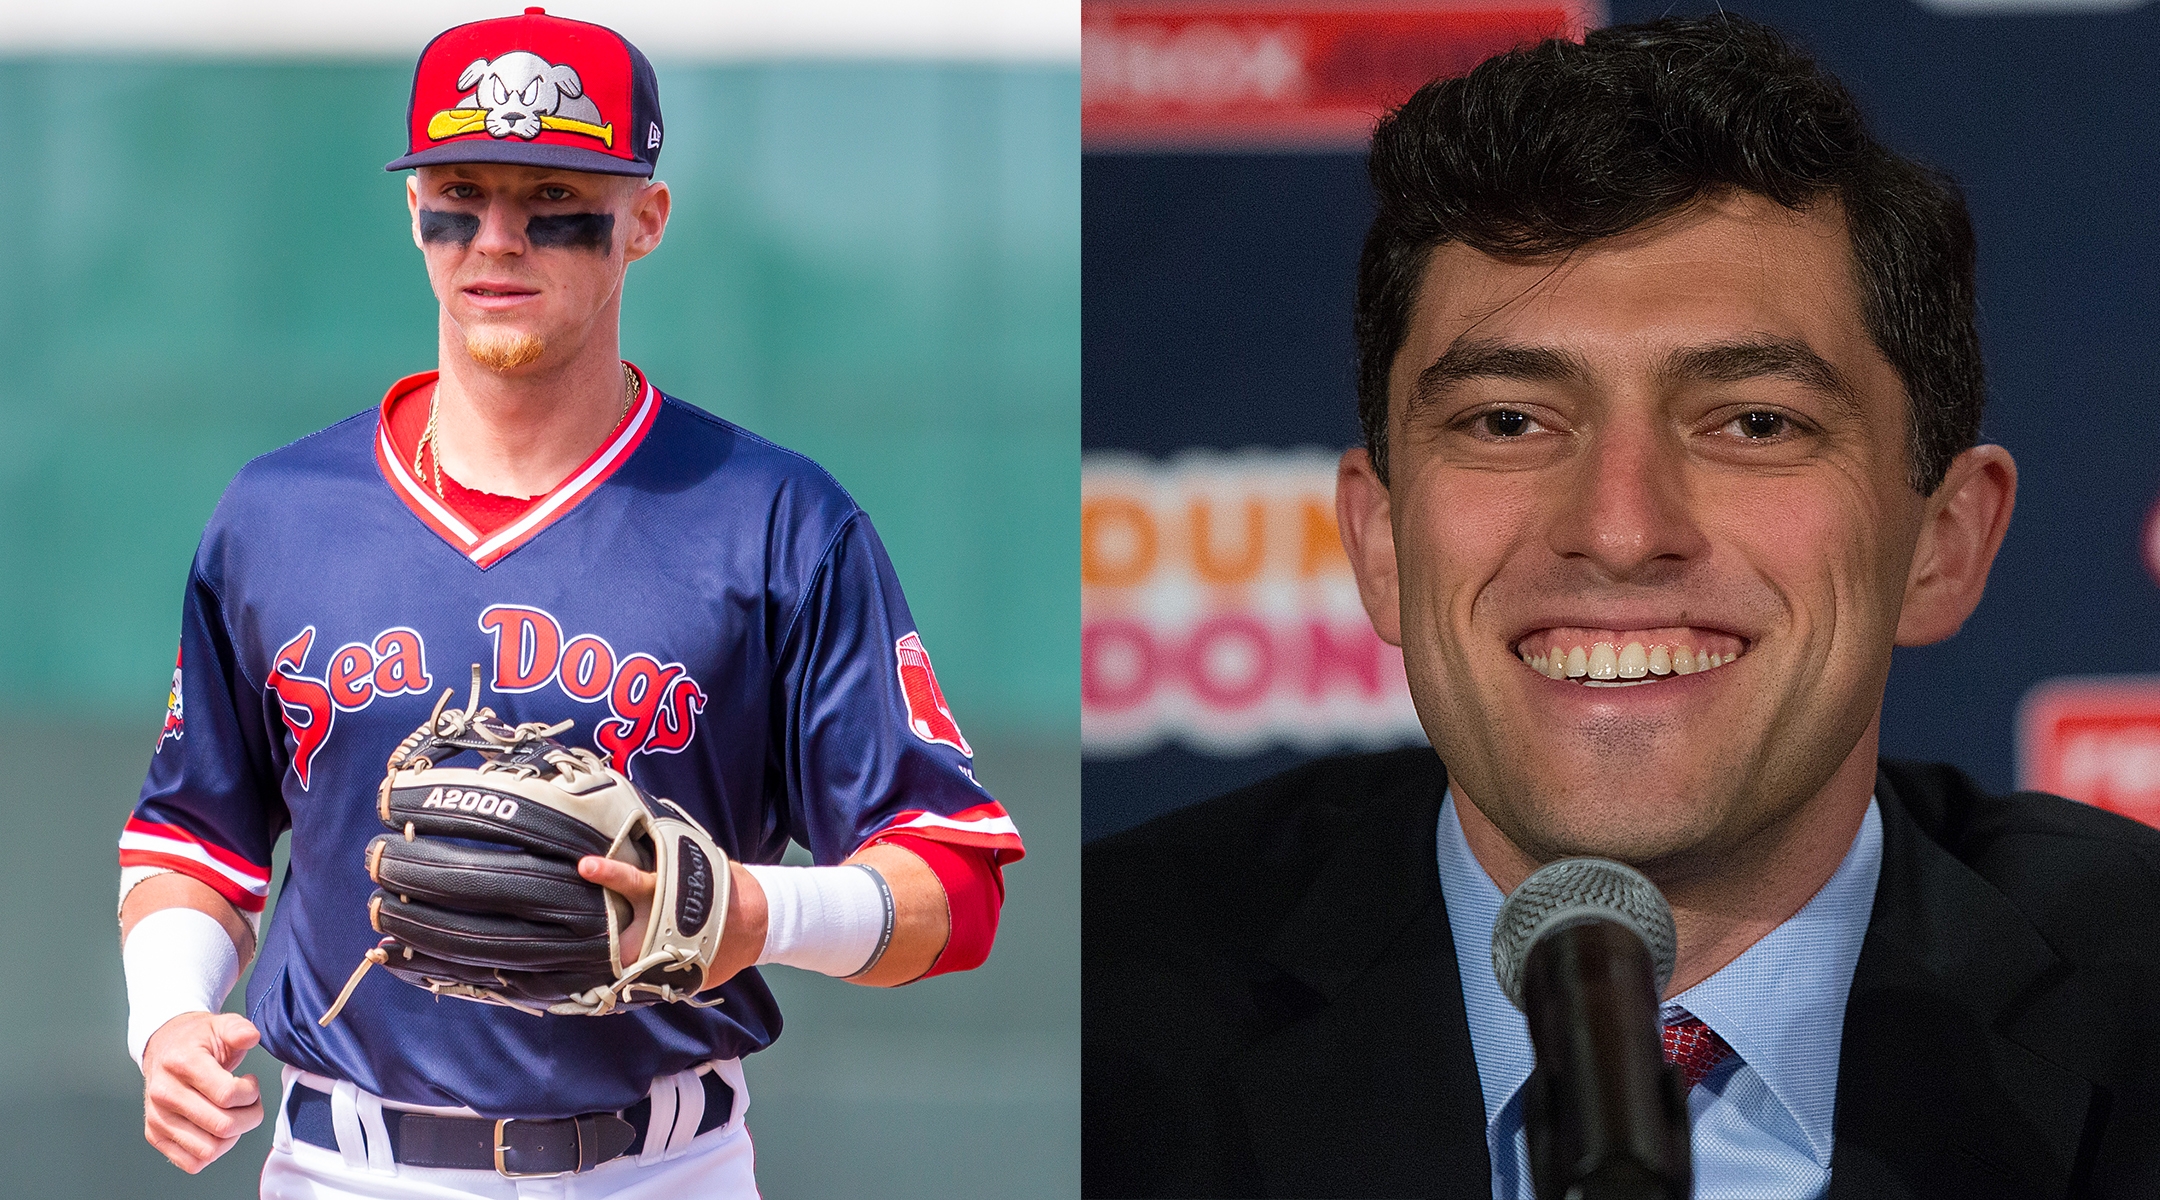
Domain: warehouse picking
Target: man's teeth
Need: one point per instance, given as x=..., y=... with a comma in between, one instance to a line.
x=1603, y=661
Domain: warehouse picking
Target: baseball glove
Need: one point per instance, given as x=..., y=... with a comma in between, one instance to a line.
x=478, y=894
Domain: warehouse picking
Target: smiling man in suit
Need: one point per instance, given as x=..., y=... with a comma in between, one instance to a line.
x=1671, y=394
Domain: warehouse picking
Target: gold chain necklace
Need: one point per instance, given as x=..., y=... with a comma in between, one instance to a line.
x=630, y=390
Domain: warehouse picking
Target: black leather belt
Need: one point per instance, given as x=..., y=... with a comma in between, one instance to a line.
x=517, y=1148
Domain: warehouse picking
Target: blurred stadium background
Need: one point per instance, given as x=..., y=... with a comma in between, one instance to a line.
x=874, y=259
x=1226, y=199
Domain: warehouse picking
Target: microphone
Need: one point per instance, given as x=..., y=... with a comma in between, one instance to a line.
x=1584, y=948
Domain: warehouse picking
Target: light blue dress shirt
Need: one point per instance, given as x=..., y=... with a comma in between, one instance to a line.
x=1762, y=1120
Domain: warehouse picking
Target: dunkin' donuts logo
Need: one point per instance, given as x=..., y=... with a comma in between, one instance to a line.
x=1218, y=610
x=652, y=706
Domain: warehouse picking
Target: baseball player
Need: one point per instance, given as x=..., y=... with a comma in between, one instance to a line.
x=652, y=593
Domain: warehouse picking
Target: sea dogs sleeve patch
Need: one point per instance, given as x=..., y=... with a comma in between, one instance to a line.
x=173, y=708
x=928, y=715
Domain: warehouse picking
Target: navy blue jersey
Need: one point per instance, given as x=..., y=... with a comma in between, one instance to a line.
x=715, y=614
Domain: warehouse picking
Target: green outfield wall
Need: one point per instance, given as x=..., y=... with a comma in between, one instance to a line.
x=877, y=264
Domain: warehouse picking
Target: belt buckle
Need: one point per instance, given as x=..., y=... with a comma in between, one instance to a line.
x=503, y=1169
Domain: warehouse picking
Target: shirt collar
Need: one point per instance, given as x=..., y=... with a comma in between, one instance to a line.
x=1780, y=1004
x=1499, y=1037
x=398, y=429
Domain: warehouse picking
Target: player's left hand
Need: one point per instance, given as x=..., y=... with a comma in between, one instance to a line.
x=743, y=938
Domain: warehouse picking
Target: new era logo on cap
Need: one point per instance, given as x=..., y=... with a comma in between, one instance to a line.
x=534, y=90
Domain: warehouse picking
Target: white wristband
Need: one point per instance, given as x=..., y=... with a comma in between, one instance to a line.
x=177, y=960
x=832, y=920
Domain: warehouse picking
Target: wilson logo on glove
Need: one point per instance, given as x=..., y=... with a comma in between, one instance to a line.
x=694, y=893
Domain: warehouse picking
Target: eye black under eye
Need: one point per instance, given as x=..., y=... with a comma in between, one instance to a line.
x=1761, y=425
x=1505, y=423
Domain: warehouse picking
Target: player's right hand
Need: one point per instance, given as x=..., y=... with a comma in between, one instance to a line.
x=743, y=933
x=194, y=1107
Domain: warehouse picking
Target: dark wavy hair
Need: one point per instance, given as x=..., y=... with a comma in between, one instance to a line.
x=1553, y=146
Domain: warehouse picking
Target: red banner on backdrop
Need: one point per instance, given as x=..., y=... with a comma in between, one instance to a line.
x=1283, y=75
x=2095, y=739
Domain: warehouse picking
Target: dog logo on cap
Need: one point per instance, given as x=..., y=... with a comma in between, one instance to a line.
x=518, y=95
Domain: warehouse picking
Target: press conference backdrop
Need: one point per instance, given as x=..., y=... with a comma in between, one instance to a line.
x=1225, y=201
x=872, y=261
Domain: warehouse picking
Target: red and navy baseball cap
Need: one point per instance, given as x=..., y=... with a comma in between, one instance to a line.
x=538, y=91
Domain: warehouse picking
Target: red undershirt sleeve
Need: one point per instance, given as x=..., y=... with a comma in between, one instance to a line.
x=974, y=893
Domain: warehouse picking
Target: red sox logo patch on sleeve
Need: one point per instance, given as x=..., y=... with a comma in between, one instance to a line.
x=928, y=716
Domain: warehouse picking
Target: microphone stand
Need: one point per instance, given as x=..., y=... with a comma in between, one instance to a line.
x=1605, y=1113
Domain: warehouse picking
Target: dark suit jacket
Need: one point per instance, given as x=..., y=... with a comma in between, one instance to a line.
x=1272, y=1006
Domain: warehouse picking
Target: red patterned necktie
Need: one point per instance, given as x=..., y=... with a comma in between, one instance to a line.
x=1695, y=1047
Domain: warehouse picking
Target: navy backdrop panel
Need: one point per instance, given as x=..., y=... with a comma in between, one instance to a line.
x=1216, y=292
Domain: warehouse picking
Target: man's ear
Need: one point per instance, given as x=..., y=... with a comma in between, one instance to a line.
x=649, y=208
x=1365, y=516
x=412, y=206
x=1962, y=529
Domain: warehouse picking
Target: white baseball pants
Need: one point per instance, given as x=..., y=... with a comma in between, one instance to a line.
x=672, y=1163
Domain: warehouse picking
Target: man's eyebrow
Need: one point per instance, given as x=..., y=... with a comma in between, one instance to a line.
x=1485, y=359
x=1759, y=358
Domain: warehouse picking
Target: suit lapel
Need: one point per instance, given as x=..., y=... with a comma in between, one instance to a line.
x=1939, y=1093
x=1372, y=1088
